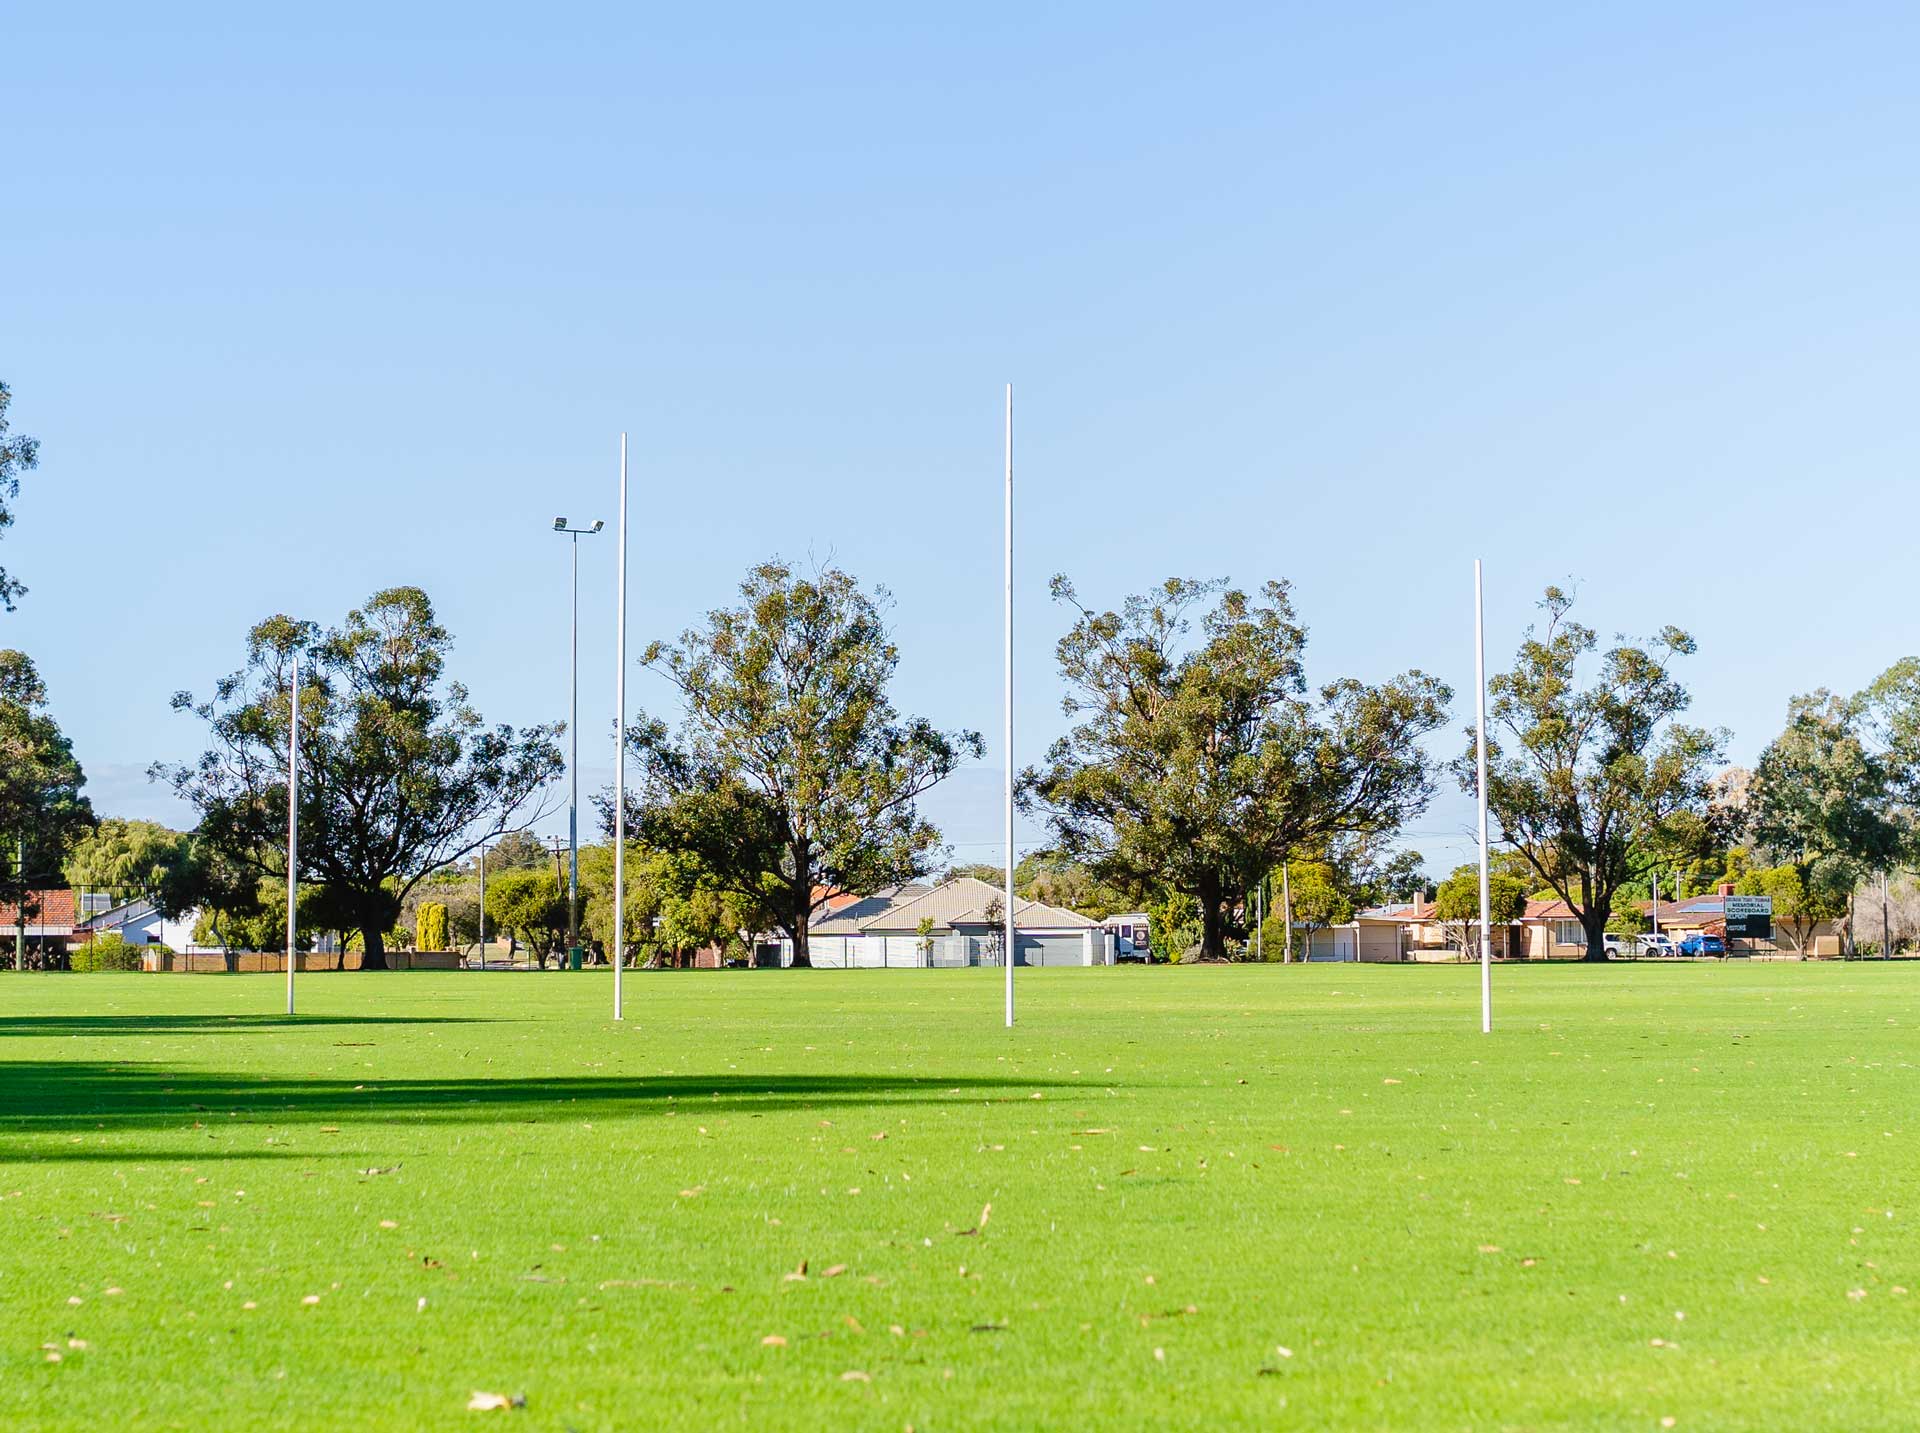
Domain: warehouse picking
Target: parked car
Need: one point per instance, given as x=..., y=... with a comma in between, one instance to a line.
x=1656, y=945
x=1614, y=945
x=1699, y=944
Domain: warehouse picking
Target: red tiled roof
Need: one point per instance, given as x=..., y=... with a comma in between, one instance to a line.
x=50, y=908
x=1553, y=910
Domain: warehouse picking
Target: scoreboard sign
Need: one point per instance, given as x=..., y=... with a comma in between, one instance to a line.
x=1749, y=917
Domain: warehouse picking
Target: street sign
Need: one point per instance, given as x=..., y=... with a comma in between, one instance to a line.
x=1749, y=917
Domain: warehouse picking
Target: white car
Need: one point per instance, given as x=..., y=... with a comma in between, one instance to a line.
x=1656, y=945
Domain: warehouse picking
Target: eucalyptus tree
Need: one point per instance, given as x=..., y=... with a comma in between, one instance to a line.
x=1594, y=782
x=791, y=773
x=1201, y=759
x=18, y=454
x=398, y=773
x=42, y=809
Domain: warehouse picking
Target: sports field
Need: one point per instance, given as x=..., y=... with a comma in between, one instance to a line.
x=1191, y=1198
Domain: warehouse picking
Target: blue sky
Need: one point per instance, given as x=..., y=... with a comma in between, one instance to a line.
x=305, y=305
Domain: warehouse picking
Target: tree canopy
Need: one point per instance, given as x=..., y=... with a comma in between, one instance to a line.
x=1592, y=783
x=42, y=810
x=1200, y=761
x=791, y=773
x=398, y=774
x=18, y=454
x=1456, y=904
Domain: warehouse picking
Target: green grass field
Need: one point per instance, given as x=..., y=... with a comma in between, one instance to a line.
x=1219, y=1198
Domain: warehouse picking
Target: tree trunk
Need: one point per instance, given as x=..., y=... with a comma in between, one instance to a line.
x=1213, y=921
x=1594, y=923
x=801, y=959
x=373, y=947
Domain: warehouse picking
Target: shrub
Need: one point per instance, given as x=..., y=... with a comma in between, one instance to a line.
x=111, y=952
x=430, y=927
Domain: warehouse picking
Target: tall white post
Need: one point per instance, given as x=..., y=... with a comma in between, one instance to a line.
x=293, y=820
x=573, y=770
x=483, y=907
x=1007, y=736
x=1480, y=764
x=620, y=747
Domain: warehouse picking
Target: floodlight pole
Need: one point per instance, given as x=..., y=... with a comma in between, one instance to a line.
x=1480, y=764
x=573, y=767
x=1007, y=734
x=573, y=742
x=293, y=819
x=620, y=746
x=483, y=907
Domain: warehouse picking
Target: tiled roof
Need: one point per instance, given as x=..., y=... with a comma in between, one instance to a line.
x=44, y=908
x=961, y=901
x=846, y=917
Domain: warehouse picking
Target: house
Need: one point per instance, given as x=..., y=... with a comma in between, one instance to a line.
x=50, y=916
x=955, y=923
x=1546, y=930
x=138, y=922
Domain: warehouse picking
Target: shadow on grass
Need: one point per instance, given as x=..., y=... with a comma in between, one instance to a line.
x=205, y=1024
x=68, y=1097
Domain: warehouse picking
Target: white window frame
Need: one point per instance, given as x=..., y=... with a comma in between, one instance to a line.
x=1561, y=937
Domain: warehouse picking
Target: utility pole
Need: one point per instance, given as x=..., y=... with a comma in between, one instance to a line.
x=1886, y=940
x=483, y=907
x=20, y=905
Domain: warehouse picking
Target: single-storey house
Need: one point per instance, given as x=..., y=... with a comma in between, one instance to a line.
x=50, y=917
x=139, y=922
x=952, y=924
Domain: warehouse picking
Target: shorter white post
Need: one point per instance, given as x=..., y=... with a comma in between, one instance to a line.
x=293, y=820
x=619, y=940
x=1480, y=762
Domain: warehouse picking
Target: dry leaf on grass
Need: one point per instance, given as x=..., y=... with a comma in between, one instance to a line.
x=773, y=1340
x=495, y=1402
x=833, y=1271
x=855, y=1375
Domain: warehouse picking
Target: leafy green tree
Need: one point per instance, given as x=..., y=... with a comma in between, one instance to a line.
x=518, y=851
x=398, y=774
x=792, y=773
x=42, y=811
x=1200, y=761
x=1824, y=800
x=18, y=454
x=1318, y=899
x=1592, y=783
x=1173, y=927
x=531, y=906
x=1054, y=879
x=995, y=876
x=129, y=858
x=1456, y=905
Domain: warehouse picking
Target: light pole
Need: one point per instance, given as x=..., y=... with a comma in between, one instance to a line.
x=573, y=742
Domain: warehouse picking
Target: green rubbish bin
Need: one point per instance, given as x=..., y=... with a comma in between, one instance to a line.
x=574, y=955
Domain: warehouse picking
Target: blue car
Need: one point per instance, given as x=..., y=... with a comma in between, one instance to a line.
x=1703, y=945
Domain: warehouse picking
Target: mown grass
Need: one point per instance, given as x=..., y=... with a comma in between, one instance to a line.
x=1654, y=1193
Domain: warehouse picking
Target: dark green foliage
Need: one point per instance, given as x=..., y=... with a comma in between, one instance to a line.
x=40, y=782
x=1201, y=761
x=791, y=773
x=1594, y=784
x=18, y=454
x=111, y=951
x=398, y=773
